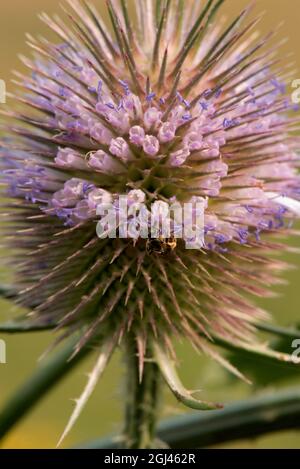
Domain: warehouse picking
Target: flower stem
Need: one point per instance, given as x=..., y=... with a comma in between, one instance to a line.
x=142, y=400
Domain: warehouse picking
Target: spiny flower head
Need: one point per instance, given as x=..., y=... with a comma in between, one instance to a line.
x=169, y=108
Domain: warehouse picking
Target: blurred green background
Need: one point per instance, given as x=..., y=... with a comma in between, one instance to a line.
x=103, y=414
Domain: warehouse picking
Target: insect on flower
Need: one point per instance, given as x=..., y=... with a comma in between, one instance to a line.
x=161, y=245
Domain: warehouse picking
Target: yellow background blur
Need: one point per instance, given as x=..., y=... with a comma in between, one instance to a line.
x=103, y=413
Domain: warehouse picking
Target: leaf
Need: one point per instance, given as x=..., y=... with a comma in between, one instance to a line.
x=183, y=395
x=292, y=333
x=257, y=351
x=243, y=419
x=267, y=371
x=94, y=376
x=24, y=325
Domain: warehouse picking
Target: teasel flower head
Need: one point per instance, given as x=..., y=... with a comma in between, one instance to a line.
x=169, y=106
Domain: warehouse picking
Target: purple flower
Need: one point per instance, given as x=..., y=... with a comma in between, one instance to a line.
x=118, y=115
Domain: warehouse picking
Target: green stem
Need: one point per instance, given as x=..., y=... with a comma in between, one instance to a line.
x=142, y=401
x=251, y=418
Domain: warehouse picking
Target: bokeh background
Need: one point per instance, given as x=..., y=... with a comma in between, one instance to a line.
x=103, y=414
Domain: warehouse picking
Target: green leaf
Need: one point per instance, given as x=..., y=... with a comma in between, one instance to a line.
x=183, y=395
x=291, y=332
x=244, y=419
x=265, y=371
x=24, y=325
x=258, y=352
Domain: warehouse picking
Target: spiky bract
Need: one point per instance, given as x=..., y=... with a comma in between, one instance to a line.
x=173, y=105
